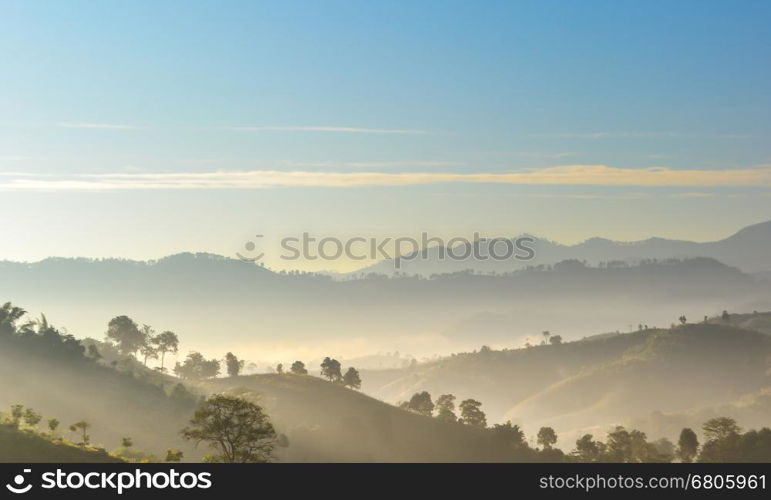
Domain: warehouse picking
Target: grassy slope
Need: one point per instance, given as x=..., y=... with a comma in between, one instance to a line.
x=498, y=379
x=27, y=447
x=597, y=381
x=674, y=370
x=324, y=421
x=328, y=422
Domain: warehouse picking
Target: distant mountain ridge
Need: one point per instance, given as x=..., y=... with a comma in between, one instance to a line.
x=193, y=294
x=749, y=249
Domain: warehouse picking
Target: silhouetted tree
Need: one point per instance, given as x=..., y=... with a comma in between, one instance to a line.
x=17, y=412
x=53, y=424
x=351, y=378
x=588, y=450
x=127, y=442
x=280, y=368
x=683, y=319
x=32, y=418
x=298, y=368
x=754, y=446
x=196, y=367
x=82, y=427
x=725, y=317
x=148, y=350
x=511, y=436
x=619, y=445
x=644, y=451
x=722, y=441
x=470, y=414
x=233, y=364
x=330, y=369
x=122, y=331
x=555, y=339
x=421, y=403
x=180, y=392
x=687, y=445
x=282, y=441
x=238, y=429
x=45, y=339
x=166, y=342
x=9, y=315
x=174, y=455
x=630, y=446
x=720, y=428
x=445, y=407
x=93, y=352
x=547, y=437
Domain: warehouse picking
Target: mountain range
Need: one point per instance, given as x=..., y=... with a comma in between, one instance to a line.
x=217, y=304
x=749, y=250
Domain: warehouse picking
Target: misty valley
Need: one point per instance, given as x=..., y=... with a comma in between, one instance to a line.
x=198, y=357
x=435, y=248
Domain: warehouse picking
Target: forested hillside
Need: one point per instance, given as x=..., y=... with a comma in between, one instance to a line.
x=317, y=420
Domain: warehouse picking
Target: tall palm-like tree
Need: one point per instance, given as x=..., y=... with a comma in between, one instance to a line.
x=166, y=342
x=9, y=315
x=148, y=349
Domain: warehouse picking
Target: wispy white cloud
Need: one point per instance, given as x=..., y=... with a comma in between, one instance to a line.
x=102, y=126
x=581, y=175
x=331, y=129
x=372, y=164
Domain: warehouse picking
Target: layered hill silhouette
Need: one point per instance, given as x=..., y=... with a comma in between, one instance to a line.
x=192, y=293
x=749, y=250
x=657, y=378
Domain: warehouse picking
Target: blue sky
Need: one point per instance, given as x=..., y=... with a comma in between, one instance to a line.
x=338, y=110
